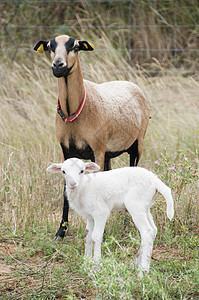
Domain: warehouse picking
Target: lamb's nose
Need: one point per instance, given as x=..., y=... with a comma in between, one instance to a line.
x=58, y=64
x=73, y=184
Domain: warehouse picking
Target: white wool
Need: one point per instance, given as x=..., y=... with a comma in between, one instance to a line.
x=94, y=196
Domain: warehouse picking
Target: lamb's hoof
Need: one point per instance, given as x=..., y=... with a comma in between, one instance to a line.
x=60, y=233
x=138, y=270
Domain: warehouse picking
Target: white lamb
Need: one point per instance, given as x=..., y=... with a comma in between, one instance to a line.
x=95, y=196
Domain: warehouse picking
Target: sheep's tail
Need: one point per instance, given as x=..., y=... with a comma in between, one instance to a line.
x=166, y=193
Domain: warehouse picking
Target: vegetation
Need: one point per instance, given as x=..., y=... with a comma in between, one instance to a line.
x=149, y=28
x=32, y=265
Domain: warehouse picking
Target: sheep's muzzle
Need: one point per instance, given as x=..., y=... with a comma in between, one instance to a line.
x=61, y=71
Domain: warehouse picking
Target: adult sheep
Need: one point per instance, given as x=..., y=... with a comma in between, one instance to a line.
x=94, y=121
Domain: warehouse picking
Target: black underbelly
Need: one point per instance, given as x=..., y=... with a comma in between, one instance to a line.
x=86, y=152
x=73, y=151
x=109, y=155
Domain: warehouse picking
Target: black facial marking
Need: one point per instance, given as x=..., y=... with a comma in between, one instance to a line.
x=53, y=45
x=69, y=45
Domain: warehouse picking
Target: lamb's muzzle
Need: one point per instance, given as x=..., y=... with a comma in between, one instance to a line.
x=97, y=195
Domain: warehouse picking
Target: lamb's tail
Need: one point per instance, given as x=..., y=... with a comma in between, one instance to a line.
x=166, y=193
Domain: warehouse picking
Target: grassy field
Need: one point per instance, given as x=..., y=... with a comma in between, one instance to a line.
x=32, y=265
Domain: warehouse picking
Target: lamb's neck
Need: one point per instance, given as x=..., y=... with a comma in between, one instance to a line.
x=75, y=194
x=71, y=91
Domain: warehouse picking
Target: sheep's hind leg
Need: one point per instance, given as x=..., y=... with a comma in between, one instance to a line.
x=107, y=165
x=135, y=151
x=147, y=232
x=64, y=222
x=134, y=154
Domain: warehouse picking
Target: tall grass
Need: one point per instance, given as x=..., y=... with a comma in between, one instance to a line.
x=125, y=23
x=31, y=200
x=28, y=106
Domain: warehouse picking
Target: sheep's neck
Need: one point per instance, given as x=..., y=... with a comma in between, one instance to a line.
x=71, y=91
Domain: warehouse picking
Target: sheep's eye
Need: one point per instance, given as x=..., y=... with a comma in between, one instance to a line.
x=82, y=171
x=63, y=172
x=75, y=48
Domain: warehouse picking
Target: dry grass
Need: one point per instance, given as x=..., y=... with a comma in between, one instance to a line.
x=27, y=137
x=31, y=200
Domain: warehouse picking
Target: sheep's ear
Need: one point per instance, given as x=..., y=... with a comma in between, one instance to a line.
x=54, y=168
x=41, y=46
x=92, y=167
x=86, y=46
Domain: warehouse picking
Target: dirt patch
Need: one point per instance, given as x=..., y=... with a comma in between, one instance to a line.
x=5, y=269
x=163, y=252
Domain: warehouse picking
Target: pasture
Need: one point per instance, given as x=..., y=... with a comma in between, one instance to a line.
x=32, y=265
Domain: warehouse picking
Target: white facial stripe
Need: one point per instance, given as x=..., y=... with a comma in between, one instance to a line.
x=60, y=53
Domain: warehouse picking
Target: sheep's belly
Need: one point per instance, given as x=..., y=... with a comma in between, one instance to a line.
x=111, y=154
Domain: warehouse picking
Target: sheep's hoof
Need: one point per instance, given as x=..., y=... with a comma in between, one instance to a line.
x=60, y=233
x=138, y=270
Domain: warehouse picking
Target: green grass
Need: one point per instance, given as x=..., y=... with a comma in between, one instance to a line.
x=43, y=269
x=32, y=265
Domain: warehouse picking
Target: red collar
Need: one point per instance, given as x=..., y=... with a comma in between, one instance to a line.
x=74, y=116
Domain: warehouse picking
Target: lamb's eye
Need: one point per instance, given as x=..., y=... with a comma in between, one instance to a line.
x=63, y=172
x=82, y=171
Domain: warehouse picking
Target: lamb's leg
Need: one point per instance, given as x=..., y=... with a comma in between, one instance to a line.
x=147, y=232
x=143, y=257
x=97, y=234
x=150, y=218
x=87, y=237
x=64, y=222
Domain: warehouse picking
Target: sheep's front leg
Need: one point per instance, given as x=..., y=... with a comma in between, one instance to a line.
x=99, y=154
x=87, y=237
x=64, y=222
x=97, y=235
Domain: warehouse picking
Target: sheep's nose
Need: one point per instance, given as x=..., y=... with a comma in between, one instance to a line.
x=57, y=64
x=73, y=184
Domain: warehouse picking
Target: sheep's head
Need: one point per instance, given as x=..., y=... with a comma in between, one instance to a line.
x=64, y=51
x=73, y=169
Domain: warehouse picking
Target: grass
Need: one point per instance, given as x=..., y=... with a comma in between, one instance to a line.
x=32, y=265
x=123, y=21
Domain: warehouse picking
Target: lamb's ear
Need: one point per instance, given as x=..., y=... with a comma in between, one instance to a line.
x=92, y=167
x=86, y=46
x=54, y=168
x=41, y=46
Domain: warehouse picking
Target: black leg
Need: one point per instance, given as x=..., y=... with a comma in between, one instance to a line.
x=134, y=155
x=64, y=222
x=134, y=158
x=107, y=165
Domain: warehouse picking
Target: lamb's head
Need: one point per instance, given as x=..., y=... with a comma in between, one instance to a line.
x=73, y=170
x=64, y=53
